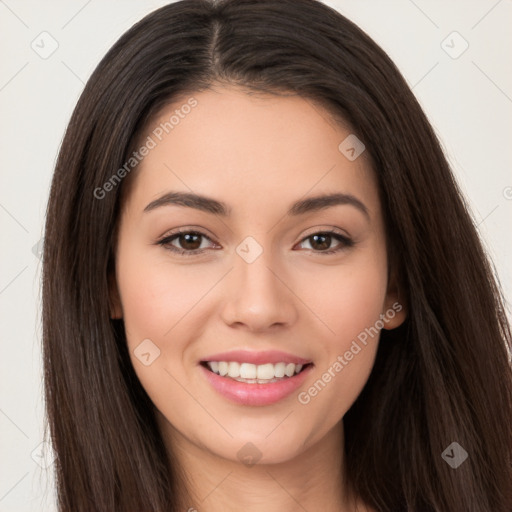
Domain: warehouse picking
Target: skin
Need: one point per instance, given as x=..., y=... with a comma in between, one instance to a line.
x=258, y=154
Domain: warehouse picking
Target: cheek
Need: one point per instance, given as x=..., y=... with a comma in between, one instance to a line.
x=162, y=302
x=158, y=302
x=347, y=298
x=350, y=306
x=156, y=296
x=351, y=302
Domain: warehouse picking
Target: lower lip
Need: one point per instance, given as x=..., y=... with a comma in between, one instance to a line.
x=255, y=394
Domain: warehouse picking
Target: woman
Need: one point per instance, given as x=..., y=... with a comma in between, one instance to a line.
x=262, y=288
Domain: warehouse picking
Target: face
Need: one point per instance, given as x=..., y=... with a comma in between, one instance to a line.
x=255, y=274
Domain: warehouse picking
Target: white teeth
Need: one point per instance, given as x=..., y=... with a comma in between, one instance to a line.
x=223, y=368
x=290, y=369
x=279, y=369
x=264, y=372
x=234, y=369
x=247, y=371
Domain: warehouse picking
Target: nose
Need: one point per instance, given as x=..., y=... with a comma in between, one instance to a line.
x=258, y=295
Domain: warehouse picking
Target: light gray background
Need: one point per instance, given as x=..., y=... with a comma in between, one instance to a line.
x=468, y=100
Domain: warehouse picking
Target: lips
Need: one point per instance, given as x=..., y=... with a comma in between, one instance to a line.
x=255, y=391
x=255, y=394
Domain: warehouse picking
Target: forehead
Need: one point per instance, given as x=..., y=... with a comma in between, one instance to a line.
x=244, y=148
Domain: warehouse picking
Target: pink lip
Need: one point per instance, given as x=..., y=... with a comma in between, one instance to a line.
x=262, y=357
x=255, y=394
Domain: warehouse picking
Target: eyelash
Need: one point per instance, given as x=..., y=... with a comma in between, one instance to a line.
x=345, y=242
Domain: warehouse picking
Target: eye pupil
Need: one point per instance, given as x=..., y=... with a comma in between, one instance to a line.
x=326, y=241
x=187, y=239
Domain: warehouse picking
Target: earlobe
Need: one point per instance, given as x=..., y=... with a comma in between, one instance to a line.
x=394, y=314
x=115, y=308
x=395, y=309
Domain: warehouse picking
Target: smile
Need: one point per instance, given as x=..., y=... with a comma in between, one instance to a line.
x=279, y=380
x=252, y=373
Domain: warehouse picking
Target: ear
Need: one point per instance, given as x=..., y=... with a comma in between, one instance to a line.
x=395, y=308
x=116, y=311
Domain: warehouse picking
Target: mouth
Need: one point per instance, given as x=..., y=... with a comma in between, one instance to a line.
x=255, y=391
x=255, y=373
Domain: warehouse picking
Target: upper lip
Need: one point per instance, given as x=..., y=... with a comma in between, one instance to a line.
x=261, y=357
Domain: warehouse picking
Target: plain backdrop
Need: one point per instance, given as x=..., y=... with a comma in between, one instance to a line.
x=455, y=55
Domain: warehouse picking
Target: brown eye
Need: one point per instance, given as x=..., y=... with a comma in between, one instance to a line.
x=187, y=243
x=321, y=242
x=190, y=241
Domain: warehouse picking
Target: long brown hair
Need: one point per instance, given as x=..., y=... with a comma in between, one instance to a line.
x=444, y=376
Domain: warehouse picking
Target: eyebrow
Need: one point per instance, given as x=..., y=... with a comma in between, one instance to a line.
x=209, y=205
